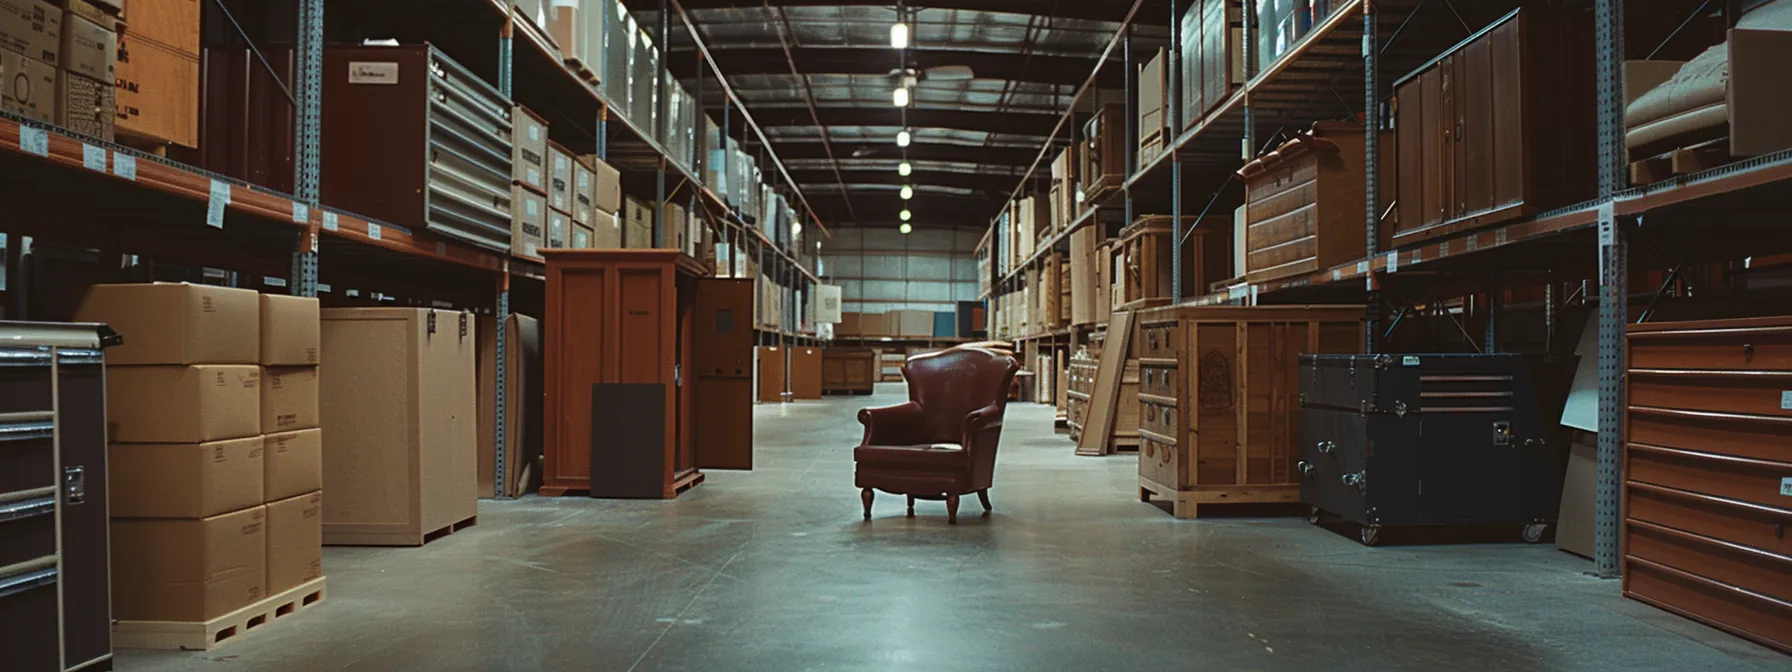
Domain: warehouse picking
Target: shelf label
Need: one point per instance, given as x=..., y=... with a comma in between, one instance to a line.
x=323, y=288
x=373, y=231
x=1337, y=274
x=93, y=157
x=301, y=213
x=34, y=140
x=1786, y=400
x=1362, y=268
x=1786, y=486
x=214, y=208
x=1393, y=261
x=125, y=166
x=330, y=223
x=1409, y=360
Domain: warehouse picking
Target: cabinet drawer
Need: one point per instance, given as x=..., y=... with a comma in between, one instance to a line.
x=29, y=615
x=24, y=380
x=27, y=528
x=1157, y=380
x=1158, y=463
x=27, y=452
x=1734, y=478
x=1739, y=348
x=1758, y=527
x=1751, y=393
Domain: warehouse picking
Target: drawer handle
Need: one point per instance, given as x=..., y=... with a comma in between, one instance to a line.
x=19, y=583
x=27, y=431
x=27, y=508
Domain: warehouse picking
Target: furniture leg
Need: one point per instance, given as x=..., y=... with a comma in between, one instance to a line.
x=951, y=509
x=983, y=497
x=865, y=496
x=911, y=506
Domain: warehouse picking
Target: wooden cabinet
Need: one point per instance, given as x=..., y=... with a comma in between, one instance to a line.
x=396, y=398
x=1707, y=473
x=724, y=374
x=1219, y=398
x=1213, y=55
x=805, y=372
x=1103, y=153
x=1145, y=262
x=848, y=370
x=621, y=328
x=1501, y=126
x=1305, y=209
x=772, y=373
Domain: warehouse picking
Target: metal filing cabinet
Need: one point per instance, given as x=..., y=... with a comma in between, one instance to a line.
x=55, y=572
x=412, y=138
x=1445, y=439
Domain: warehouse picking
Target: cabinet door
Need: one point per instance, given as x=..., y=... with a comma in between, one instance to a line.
x=447, y=450
x=86, y=561
x=724, y=375
x=1475, y=112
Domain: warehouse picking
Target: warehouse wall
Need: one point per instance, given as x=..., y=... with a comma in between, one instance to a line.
x=880, y=269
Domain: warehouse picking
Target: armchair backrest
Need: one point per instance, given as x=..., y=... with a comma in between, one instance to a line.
x=950, y=384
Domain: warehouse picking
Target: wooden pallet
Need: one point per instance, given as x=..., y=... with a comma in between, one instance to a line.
x=446, y=530
x=1680, y=161
x=579, y=68
x=1188, y=503
x=170, y=635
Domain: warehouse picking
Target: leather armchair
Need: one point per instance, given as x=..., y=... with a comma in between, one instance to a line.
x=941, y=444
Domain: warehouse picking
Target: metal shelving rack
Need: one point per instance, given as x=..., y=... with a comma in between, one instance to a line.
x=1603, y=226
x=182, y=214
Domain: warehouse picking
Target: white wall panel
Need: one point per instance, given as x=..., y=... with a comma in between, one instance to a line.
x=883, y=290
x=930, y=291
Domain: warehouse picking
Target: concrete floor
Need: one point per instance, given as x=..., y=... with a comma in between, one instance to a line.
x=775, y=570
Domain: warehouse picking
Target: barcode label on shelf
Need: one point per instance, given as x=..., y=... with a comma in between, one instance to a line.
x=373, y=231
x=1337, y=274
x=330, y=223
x=125, y=166
x=1786, y=486
x=1786, y=400
x=323, y=288
x=93, y=157
x=301, y=213
x=1393, y=261
x=34, y=140
x=214, y=208
x=1362, y=267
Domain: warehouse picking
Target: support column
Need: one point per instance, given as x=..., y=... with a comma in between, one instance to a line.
x=1173, y=67
x=308, y=141
x=1614, y=284
x=1372, y=174
x=499, y=379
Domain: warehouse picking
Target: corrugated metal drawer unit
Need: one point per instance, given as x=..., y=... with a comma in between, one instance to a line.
x=1708, y=473
x=413, y=139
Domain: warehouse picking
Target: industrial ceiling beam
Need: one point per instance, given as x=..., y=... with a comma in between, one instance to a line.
x=1087, y=10
x=886, y=115
x=821, y=60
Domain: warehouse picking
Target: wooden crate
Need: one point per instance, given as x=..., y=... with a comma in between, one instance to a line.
x=1212, y=56
x=1498, y=127
x=1153, y=106
x=1103, y=156
x=1219, y=399
x=1145, y=249
x=226, y=629
x=1305, y=203
x=1707, y=471
x=848, y=370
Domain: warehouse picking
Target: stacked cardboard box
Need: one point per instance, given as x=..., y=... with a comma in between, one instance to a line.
x=30, y=48
x=584, y=203
x=86, y=82
x=637, y=225
x=606, y=202
x=529, y=183
x=158, y=72
x=560, y=196
x=215, y=462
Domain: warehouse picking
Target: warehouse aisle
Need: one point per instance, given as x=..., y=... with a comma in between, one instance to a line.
x=774, y=570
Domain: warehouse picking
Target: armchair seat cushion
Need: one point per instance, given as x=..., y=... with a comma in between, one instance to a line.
x=921, y=456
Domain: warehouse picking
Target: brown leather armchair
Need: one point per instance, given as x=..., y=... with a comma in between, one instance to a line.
x=942, y=443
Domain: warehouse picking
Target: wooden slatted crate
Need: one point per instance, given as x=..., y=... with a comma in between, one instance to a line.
x=1305, y=208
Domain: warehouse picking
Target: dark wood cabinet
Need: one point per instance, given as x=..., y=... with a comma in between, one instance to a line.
x=848, y=370
x=1498, y=127
x=623, y=333
x=724, y=374
x=1305, y=203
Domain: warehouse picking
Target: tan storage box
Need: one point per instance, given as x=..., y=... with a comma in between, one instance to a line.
x=288, y=398
x=606, y=231
x=158, y=71
x=559, y=230
x=288, y=330
x=560, y=177
x=295, y=541
x=30, y=87
x=32, y=28
x=85, y=105
x=607, y=188
x=529, y=149
x=528, y=222
x=582, y=237
x=177, y=323
x=188, y=570
x=638, y=226
x=584, y=190
x=293, y=463
x=184, y=480
x=88, y=49
x=183, y=404
x=398, y=392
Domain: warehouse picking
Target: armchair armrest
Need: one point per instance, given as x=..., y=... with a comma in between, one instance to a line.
x=988, y=417
x=897, y=425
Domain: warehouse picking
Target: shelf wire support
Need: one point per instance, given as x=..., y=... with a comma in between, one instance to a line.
x=506, y=86
x=1372, y=312
x=1614, y=283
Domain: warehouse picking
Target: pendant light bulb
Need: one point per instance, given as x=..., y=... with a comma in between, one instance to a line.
x=899, y=35
x=905, y=228
x=900, y=96
x=905, y=215
x=903, y=138
x=904, y=169
x=908, y=192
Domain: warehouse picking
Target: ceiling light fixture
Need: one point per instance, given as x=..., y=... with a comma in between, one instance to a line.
x=904, y=169
x=908, y=192
x=903, y=138
x=905, y=214
x=899, y=35
x=905, y=228
x=900, y=96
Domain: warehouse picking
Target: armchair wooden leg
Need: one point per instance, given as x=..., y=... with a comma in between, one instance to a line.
x=911, y=506
x=951, y=509
x=983, y=497
x=865, y=496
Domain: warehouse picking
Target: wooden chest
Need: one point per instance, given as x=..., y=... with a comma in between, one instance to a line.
x=1146, y=264
x=1708, y=475
x=1305, y=208
x=620, y=327
x=848, y=370
x=1103, y=155
x=1498, y=127
x=1219, y=398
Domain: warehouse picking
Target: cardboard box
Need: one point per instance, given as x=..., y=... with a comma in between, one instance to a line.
x=529, y=149
x=188, y=570
x=158, y=83
x=559, y=178
x=177, y=323
x=288, y=398
x=295, y=541
x=289, y=330
x=677, y=224
x=30, y=87
x=584, y=190
x=528, y=219
x=183, y=404
x=567, y=27
x=185, y=480
x=582, y=236
x=606, y=230
x=88, y=48
x=559, y=229
x=92, y=10
x=33, y=29
x=606, y=191
x=86, y=105
x=637, y=225
x=293, y=463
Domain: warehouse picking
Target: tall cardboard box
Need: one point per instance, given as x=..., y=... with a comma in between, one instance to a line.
x=606, y=186
x=158, y=71
x=188, y=570
x=289, y=327
x=560, y=177
x=398, y=389
x=288, y=398
x=185, y=480
x=295, y=541
x=183, y=404
x=88, y=49
x=677, y=226
x=584, y=189
x=293, y=463
x=528, y=222
x=529, y=149
x=177, y=323
x=32, y=28
x=637, y=228
x=30, y=87
x=606, y=231
x=566, y=25
x=559, y=229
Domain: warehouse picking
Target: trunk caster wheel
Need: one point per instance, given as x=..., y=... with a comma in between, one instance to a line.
x=1370, y=535
x=1533, y=532
x=1315, y=516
